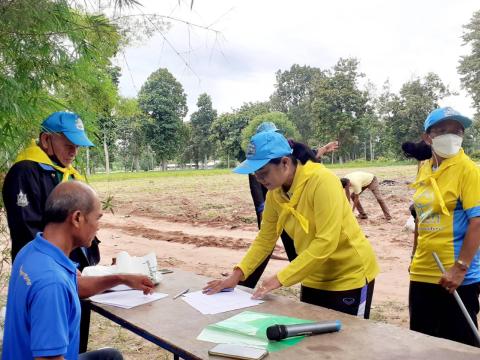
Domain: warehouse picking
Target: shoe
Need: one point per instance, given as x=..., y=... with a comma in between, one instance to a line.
x=363, y=216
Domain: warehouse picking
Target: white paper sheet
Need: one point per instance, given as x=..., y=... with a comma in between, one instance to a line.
x=126, y=264
x=120, y=287
x=126, y=299
x=220, y=302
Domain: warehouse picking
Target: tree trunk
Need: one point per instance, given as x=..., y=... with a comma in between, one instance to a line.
x=137, y=163
x=88, y=161
x=228, y=161
x=105, y=150
x=372, y=155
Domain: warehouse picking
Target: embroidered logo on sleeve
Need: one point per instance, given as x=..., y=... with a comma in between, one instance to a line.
x=25, y=276
x=22, y=199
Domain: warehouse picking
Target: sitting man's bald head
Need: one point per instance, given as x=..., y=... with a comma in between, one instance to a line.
x=67, y=198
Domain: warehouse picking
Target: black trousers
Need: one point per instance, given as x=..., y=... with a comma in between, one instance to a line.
x=252, y=280
x=434, y=311
x=354, y=302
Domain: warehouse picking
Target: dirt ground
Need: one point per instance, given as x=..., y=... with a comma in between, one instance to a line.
x=204, y=224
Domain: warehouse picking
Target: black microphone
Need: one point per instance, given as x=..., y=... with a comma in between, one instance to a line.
x=279, y=332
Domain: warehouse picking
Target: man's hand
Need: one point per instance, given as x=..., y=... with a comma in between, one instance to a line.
x=331, y=146
x=453, y=278
x=322, y=150
x=268, y=285
x=138, y=282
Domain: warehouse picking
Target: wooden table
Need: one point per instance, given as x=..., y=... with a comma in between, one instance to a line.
x=174, y=325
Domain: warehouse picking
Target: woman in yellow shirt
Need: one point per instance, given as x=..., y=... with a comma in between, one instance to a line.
x=447, y=207
x=335, y=263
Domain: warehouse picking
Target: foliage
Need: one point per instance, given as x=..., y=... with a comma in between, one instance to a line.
x=201, y=122
x=52, y=57
x=293, y=94
x=279, y=119
x=340, y=106
x=162, y=98
x=405, y=113
x=130, y=133
x=469, y=67
x=226, y=134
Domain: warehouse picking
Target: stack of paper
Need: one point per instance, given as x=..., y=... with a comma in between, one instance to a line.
x=126, y=264
x=220, y=302
x=126, y=299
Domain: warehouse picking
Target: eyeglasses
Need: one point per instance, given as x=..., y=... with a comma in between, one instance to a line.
x=443, y=131
x=262, y=173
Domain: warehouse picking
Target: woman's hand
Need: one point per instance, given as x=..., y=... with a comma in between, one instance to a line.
x=453, y=278
x=216, y=286
x=268, y=285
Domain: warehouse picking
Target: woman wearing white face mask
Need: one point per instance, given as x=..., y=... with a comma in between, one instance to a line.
x=447, y=205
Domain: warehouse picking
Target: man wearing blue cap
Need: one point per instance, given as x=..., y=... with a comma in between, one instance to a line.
x=447, y=207
x=37, y=170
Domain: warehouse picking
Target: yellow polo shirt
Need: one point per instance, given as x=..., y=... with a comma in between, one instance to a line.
x=445, y=200
x=359, y=179
x=333, y=253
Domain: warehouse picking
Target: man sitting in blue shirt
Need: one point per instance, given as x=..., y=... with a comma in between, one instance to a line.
x=43, y=307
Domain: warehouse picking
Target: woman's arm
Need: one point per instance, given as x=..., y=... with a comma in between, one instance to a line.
x=454, y=276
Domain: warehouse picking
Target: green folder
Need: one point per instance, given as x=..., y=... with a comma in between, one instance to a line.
x=250, y=328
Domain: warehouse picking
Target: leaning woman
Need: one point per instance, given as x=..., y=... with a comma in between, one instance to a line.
x=447, y=206
x=335, y=261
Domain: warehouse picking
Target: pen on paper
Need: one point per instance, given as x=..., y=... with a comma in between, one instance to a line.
x=181, y=293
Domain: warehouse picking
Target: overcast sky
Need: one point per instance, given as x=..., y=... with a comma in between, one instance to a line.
x=394, y=40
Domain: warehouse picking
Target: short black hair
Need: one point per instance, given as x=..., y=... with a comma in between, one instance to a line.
x=345, y=182
x=67, y=198
x=417, y=150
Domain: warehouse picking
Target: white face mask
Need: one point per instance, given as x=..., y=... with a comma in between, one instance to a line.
x=447, y=145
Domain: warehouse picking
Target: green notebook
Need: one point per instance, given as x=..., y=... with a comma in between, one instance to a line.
x=250, y=328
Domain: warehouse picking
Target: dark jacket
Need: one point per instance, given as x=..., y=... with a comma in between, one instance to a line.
x=25, y=191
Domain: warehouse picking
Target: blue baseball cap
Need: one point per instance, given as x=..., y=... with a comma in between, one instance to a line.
x=263, y=147
x=446, y=113
x=69, y=124
x=267, y=126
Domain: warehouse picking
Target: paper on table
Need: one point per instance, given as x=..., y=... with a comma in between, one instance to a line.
x=120, y=287
x=220, y=302
x=126, y=299
x=126, y=264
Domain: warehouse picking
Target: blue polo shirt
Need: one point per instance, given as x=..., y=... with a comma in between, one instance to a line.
x=43, y=309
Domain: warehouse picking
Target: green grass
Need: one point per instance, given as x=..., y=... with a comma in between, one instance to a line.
x=118, y=176
x=366, y=164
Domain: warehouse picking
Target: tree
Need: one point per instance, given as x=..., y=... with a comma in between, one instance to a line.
x=201, y=122
x=405, y=113
x=45, y=46
x=339, y=106
x=293, y=95
x=130, y=133
x=293, y=86
x=226, y=134
x=469, y=67
x=279, y=119
x=162, y=98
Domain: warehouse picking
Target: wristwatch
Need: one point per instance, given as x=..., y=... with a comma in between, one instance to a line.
x=463, y=265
